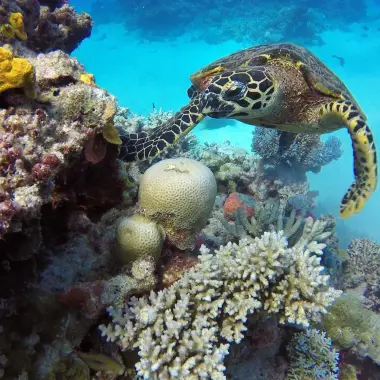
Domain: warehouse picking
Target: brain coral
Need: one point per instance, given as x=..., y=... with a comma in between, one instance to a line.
x=138, y=236
x=179, y=194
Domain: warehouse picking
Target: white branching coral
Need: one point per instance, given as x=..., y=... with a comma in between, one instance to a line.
x=302, y=293
x=183, y=331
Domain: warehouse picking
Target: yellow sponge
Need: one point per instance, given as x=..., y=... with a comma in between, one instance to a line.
x=15, y=73
x=17, y=22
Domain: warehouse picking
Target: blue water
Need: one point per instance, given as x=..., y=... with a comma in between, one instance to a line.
x=152, y=65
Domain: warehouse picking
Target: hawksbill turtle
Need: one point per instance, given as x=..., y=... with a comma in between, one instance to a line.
x=281, y=86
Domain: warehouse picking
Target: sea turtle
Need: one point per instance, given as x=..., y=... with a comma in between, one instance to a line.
x=281, y=86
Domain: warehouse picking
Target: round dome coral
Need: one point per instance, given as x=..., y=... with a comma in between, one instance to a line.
x=138, y=237
x=179, y=194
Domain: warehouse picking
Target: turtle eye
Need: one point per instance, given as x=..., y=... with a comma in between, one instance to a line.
x=236, y=90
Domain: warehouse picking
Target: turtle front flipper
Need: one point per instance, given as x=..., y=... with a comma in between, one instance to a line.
x=144, y=145
x=365, y=157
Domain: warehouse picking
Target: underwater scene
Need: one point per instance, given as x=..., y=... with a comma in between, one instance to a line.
x=188, y=190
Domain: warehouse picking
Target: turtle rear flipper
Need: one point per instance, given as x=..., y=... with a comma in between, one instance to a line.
x=365, y=157
x=145, y=145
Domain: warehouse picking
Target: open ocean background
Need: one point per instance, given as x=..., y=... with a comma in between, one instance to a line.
x=143, y=52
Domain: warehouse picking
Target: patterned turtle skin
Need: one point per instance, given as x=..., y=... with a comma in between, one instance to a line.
x=281, y=86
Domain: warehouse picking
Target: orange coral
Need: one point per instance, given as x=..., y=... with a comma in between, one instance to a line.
x=15, y=73
x=233, y=202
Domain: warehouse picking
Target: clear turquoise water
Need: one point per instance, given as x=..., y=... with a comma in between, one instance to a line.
x=140, y=72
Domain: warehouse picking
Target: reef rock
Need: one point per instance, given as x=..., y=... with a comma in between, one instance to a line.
x=42, y=137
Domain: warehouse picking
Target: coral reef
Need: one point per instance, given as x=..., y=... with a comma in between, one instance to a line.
x=291, y=21
x=178, y=194
x=16, y=21
x=361, y=272
x=258, y=355
x=43, y=137
x=77, y=237
x=234, y=168
x=348, y=372
x=49, y=313
x=290, y=156
x=61, y=29
x=178, y=331
x=312, y=357
x=268, y=216
x=15, y=73
x=353, y=327
x=44, y=26
x=363, y=262
x=238, y=200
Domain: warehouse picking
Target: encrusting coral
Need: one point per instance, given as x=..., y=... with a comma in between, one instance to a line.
x=178, y=194
x=312, y=357
x=183, y=331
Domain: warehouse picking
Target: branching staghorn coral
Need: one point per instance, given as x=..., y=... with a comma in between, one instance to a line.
x=183, y=331
x=311, y=357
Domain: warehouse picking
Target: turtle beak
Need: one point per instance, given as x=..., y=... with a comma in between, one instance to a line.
x=213, y=105
x=209, y=101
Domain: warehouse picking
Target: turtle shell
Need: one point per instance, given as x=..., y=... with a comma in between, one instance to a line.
x=319, y=77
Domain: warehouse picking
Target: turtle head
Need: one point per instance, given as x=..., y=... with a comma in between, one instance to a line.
x=242, y=94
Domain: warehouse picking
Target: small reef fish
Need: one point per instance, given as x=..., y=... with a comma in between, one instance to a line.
x=340, y=59
x=101, y=362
